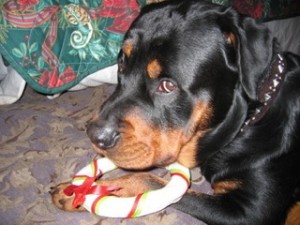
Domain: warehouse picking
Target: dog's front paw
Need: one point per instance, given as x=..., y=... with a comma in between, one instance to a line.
x=63, y=201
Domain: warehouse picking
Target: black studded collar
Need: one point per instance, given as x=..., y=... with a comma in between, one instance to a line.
x=268, y=89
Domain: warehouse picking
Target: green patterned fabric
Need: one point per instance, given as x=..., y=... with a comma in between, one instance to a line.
x=55, y=44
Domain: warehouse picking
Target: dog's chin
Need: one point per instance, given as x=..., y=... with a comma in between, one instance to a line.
x=139, y=165
x=132, y=164
x=136, y=161
x=127, y=161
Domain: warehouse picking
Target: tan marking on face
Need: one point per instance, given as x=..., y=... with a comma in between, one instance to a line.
x=193, y=132
x=143, y=145
x=154, y=69
x=223, y=187
x=128, y=48
x=293, y=217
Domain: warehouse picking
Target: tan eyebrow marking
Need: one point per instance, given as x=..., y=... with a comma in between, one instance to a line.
x=128, y=48
x=154, y=69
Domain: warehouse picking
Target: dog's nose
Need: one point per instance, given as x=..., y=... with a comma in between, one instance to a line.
x=105, y=136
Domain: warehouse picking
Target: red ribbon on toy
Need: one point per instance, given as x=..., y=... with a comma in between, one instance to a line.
x=86, y=189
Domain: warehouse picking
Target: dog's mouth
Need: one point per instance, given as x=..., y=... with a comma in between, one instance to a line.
x=138, y=144
x=136, y=157
x=142, y=146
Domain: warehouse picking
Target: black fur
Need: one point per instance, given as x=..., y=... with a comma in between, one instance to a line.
x=187, y=37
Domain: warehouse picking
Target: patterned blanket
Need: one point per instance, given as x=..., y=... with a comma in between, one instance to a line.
x=55, y=44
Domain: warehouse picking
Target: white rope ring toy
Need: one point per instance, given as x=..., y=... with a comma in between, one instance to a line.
x=97, y=199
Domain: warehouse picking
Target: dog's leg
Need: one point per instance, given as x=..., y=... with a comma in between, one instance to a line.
x=230, y=208
x=212, y=209
x=134, y=184
x=126, y=186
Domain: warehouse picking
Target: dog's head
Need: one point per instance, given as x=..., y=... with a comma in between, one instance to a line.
x=179, y=67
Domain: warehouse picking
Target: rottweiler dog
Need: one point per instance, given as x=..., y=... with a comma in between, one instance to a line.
x=205, y=86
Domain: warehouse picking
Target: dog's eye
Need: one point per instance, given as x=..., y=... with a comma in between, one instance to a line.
x=166, y=86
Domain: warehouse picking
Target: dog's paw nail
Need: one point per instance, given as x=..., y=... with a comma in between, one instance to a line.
x=62, y=201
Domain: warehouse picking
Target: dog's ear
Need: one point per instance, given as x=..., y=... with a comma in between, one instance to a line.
x=254, y=48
